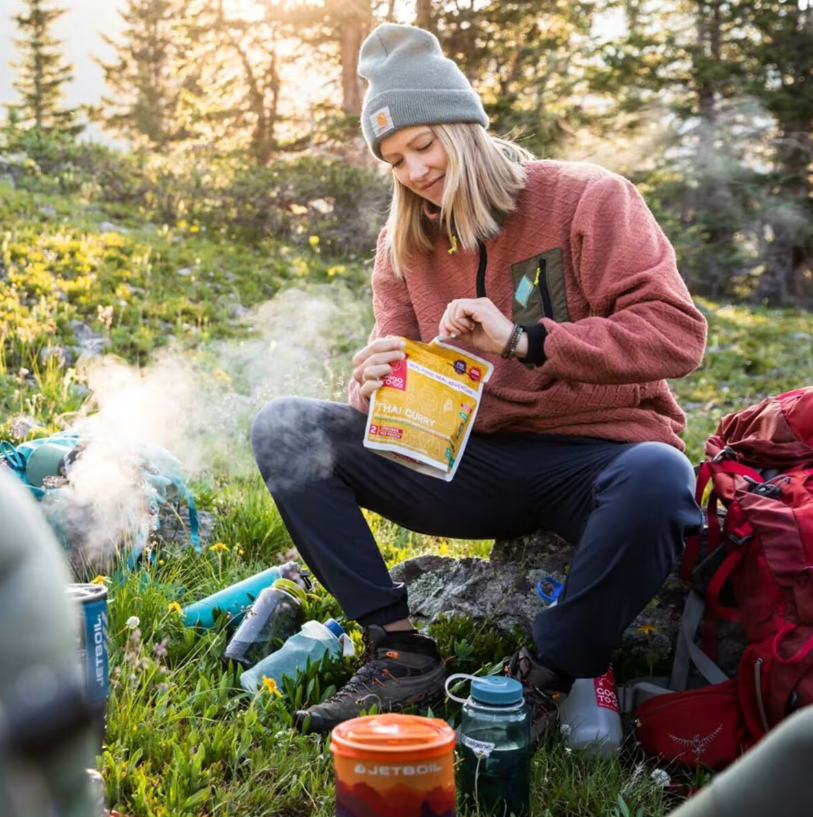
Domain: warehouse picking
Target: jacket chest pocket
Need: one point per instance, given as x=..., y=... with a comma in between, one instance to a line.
x=539, y=288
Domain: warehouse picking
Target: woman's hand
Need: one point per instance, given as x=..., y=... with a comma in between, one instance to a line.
x=373, y=363
x=478, y=322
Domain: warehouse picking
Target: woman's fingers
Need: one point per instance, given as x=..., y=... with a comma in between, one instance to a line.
x=369, y=386
x=372, y=377
x=460, y=317
x=382, y=351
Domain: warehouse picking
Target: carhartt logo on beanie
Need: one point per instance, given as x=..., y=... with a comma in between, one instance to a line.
x=411, y=83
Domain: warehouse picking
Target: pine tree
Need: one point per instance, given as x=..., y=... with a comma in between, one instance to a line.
x=42, y=72
x=143, y=79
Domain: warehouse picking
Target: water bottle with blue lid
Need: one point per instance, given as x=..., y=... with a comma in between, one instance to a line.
x=495, y=745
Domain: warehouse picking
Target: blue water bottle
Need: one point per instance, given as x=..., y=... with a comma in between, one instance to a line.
x=237, y=598
x=495, y=746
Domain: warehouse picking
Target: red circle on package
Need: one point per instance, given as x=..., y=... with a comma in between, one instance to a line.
x=475, y=374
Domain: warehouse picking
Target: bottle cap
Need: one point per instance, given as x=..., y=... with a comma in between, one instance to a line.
x=292, y=588
x=334, y=627
x=496, y=690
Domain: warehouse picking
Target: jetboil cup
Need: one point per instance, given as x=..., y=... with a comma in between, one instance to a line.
x=394, y=764
x=92, y=646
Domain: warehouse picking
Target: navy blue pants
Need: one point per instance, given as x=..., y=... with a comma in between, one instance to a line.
x=628, y=506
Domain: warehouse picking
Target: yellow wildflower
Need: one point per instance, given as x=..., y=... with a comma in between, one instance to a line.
x=313, y=241
x=648, y=628
x=174, y=607
x=100, y=580
x=271, y=685
x=219, y=546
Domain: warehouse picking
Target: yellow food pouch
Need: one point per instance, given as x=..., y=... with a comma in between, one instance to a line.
x=423, y=414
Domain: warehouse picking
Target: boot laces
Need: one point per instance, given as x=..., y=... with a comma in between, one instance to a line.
x=371, y=672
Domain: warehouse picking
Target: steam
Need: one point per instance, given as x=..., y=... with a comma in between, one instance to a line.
x=199, y=406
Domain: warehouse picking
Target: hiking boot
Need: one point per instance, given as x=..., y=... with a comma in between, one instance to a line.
x=400, y=670
x=542, y=688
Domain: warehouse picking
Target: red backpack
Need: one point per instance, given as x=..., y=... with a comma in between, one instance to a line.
x=759, y=467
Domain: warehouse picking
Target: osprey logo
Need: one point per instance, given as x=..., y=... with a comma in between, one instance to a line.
x=697, y=744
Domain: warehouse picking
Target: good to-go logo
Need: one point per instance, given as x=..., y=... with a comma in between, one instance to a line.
x=605, y=691
x=398, y=378
x=475, y=374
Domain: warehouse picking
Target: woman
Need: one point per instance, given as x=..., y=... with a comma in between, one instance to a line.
x=557, y=273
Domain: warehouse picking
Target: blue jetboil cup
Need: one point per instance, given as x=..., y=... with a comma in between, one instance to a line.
x=92, y=647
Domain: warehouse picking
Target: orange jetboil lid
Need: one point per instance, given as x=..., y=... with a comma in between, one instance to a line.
x=392, y=736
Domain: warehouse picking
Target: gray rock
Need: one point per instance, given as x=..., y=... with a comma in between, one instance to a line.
x=185, y=271
x=47, y=210
x=109, y=227
x=502, y=591
x=63, y=355
x=174, y=528
x=239, y=311
x=78, y=390
x=89, y=343
x=22, y=426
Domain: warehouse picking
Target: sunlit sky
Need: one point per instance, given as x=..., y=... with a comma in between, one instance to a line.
x=80, y=29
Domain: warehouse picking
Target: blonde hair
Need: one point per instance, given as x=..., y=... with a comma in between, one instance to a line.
x=484, y=176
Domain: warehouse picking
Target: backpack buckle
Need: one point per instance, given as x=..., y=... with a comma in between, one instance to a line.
x=740, y=541
x=727, y=453
x=772, y=489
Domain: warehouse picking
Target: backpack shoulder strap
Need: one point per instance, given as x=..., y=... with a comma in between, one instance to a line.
x=687, y=652
x=706, y=473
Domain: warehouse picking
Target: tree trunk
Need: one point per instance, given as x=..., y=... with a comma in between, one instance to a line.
x=353, y=29
x=783, y=281
x=350, y=42
x=423, y=15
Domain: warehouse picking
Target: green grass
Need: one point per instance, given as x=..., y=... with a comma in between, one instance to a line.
x=183, y=739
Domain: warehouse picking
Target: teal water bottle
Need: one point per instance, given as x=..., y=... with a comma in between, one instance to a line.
x=237, y=598
x=309, y=646
x=495, y=746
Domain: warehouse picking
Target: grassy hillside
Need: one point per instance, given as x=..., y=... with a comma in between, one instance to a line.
x=204, y=330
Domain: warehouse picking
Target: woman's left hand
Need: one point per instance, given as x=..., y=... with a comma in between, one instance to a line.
x=478, y=322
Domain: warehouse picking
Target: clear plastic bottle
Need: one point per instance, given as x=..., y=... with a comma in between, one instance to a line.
x=589, y=718
x=495, y=747
x=275, y=616
x=309, y=645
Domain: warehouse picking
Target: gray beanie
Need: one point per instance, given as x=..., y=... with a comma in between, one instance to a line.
x=411, y=83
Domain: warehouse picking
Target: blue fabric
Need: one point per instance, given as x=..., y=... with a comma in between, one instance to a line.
x=162, y=474
x=627, y=507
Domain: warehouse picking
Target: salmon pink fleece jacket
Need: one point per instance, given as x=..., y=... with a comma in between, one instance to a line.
x=584, y=263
